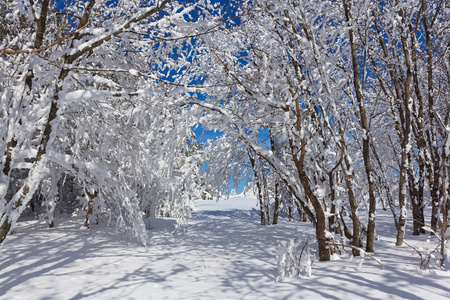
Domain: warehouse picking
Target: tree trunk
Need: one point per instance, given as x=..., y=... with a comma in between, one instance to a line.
x=416, y=195
x=349, y=181
x=354, y=208
x=303, y=216
x=275, y=196
x=366, y=132
x=332, y=219
x=4, y=229
x=431, y=132
x=444, y=201
x=418, y=216
x=276, y=206
x=262, y=207
x=41, y=27
x=323, y=246
x=90, y=209
x=405, y=142
x=42, y=148
x=320, y=219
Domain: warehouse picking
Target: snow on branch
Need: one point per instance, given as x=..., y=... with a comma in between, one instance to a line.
x=294, y=258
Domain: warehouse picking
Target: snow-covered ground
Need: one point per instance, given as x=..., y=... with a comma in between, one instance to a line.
x=224, y=254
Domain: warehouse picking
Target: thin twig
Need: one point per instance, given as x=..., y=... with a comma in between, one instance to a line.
x=203, y=261
x=11, y=51
x=361, y=251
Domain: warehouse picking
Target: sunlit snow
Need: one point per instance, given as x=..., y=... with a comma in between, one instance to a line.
x=222, y=254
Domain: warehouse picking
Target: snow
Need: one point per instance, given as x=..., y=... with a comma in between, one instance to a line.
x=133, y=72
x=223, y=254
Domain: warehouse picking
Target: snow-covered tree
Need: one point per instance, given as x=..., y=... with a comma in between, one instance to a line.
x=335, y=83
x=87, y=89
x=269, y=74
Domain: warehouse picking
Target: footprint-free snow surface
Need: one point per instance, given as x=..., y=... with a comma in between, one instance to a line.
x=223, y=254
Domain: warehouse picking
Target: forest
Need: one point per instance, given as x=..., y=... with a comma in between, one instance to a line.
x=329, y=112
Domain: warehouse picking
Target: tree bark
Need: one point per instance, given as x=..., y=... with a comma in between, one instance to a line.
x=320, y=219
x=90, y=209
x=431, y=132
x=422, y=160
x=277, y=205
x=444, y=200
x=41, y=26
x=262, y=207
x=40, y=30
x=275, y=196
x=366, y=132
x=405, y=141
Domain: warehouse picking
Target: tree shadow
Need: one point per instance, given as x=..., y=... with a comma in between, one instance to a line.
x=222, y=254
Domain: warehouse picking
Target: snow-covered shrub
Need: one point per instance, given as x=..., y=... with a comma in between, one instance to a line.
x=434, y=253
x=294, y=259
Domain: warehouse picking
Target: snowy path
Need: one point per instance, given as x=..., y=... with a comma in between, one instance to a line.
x=223, y=255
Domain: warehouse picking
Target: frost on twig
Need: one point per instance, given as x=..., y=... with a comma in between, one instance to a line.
x=294, y=259
x=362, y=253
x=433, y=254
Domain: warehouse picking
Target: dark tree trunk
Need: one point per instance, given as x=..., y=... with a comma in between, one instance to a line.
x=320, y=219
x=275, y=196
x=332, y=218
x=276, y=206
x=4, y=229
x=90, y=209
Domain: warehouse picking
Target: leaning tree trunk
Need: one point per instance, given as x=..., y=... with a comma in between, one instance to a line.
x=41, y=23
x=320, y=220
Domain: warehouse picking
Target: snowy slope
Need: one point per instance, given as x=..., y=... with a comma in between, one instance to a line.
x=223, y=254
